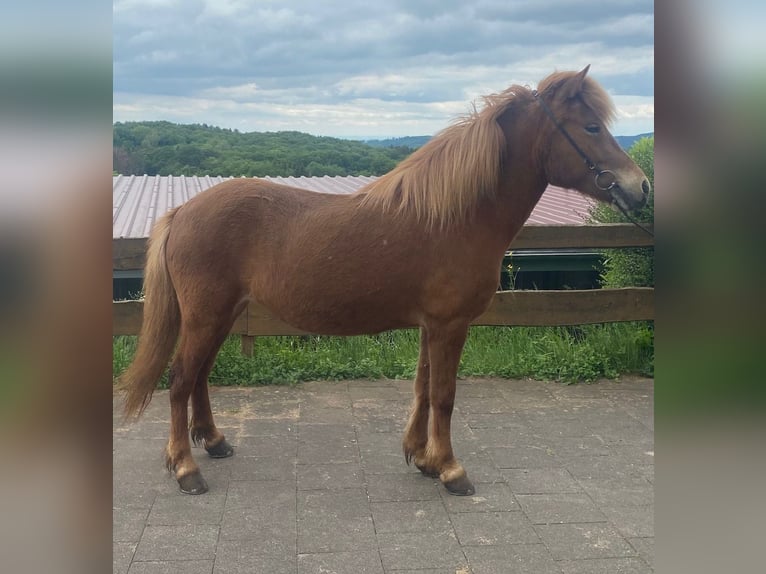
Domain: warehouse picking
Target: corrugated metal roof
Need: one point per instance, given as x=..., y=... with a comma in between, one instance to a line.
x=138, y=201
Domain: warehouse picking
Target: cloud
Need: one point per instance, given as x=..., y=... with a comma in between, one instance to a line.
x=398, y=54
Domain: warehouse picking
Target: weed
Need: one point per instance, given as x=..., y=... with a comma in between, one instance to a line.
x=563, y=354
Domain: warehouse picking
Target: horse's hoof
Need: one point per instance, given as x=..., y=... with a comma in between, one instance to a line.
x=427, y=472
x=222, y=450
x=193, y=483
x=460, y=486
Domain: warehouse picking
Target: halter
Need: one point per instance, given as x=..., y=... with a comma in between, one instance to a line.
x=590, y=164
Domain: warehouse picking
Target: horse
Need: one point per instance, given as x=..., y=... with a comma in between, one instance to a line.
x=421, y=247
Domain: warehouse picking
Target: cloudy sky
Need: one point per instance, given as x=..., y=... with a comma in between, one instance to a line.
x=365, y=68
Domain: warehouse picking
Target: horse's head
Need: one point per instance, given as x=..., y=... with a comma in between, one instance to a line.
x=578, y=151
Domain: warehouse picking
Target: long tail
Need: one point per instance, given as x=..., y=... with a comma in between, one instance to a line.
x=160, y=327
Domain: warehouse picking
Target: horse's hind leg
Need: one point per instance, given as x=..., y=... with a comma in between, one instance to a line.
x=199, y=343
x=445, y=345
x=203, y=429
x=416, y=432
x=183, y=376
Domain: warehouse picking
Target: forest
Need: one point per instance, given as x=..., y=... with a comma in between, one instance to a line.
x=165, y=148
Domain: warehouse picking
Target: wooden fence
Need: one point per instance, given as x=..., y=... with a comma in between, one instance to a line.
x=531, y=308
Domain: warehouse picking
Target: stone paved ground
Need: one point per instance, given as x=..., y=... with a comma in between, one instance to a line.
x=564, y=484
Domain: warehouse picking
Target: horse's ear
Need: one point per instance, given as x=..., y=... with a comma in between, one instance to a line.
x=573, y=86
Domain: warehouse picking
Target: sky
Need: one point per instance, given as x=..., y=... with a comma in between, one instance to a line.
x=368, y=69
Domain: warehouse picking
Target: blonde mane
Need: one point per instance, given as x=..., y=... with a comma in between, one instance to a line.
x=443, y=181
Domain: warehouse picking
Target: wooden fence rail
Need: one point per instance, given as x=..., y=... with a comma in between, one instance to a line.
x=531, y=308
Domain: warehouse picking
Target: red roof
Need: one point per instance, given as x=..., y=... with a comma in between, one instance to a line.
x=138, y=201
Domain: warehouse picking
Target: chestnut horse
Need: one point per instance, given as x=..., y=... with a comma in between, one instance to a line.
x=420, y=246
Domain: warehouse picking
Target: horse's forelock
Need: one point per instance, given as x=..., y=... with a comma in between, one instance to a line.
x=558, y=88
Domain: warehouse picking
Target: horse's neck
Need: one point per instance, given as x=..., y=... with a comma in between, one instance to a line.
x=521, y=187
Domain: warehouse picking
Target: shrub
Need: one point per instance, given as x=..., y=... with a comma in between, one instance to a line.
x=630, y=267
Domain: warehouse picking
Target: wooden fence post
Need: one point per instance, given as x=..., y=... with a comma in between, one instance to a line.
x=247, y=345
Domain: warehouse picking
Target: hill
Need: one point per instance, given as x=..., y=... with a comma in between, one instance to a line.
x=165, y=148
x=415, y=142
x=627, y=141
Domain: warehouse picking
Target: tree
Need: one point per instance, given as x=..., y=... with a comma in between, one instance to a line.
x=630, y=267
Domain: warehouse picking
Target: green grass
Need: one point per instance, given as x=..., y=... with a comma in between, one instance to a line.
x=567, y=354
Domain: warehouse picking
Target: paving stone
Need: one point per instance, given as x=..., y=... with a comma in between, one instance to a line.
x=267, y=495
x=486, y=405
x=493, y=528
x=605, y=566
x=488, y=498
x=169, y=543
x=181, y=509
x=325, y=444
x=479, y=465
x=174, y=567
x=260, y=468
x=330, y=476
x=348, y=502
x=510, y=420
x=583, y=541
x=372, y=444
x=263, y=512
x=122, y=555
x=524, y=456
x=334, y=521
x=632, y=521
x=364, y=562
x=615, y=466
x=557, y=424
x=331, y=533
x=416, y=516
x=540, y=480
x=559, y=508
x=514, y=559
x=130, y=493
x=128, y=524
x=282, y=445
x=413, y=550
x=319, y=483
x=402, y=487
x=386, y=463
x=326, y=408
x=645, y=548
x=619, y=427
x=138, y=457
x=374, y=393
x=267, y=534
x=614, y=492
x=244, y=557
x=267, y=427
x=565, y=448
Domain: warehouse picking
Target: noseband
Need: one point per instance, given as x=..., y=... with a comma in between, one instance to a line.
x=590, y=164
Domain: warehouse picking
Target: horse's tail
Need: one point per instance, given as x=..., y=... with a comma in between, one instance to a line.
x=160, y=327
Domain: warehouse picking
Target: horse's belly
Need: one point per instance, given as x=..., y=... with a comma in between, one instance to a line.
x=332, y=313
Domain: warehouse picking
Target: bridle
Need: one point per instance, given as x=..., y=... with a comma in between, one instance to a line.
x=590, y=164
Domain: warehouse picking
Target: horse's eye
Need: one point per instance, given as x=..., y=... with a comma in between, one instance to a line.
x=593, y=128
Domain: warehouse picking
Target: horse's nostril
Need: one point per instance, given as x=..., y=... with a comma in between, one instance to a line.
x=645, y=187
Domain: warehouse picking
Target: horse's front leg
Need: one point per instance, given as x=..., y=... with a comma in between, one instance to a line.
x=416, y=432
x=445, y=345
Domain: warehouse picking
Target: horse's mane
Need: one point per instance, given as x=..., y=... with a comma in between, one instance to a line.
x=444, y=180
